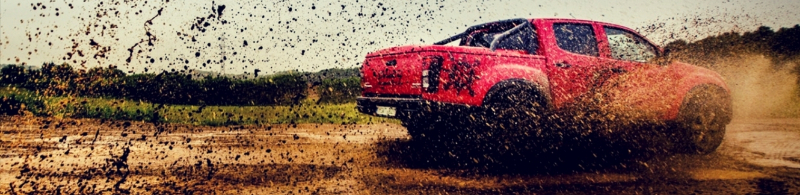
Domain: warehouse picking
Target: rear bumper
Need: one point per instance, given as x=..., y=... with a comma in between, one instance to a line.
x=405, y=106
x=414, y=107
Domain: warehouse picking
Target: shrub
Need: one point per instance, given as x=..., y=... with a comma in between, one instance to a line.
x=339, y=90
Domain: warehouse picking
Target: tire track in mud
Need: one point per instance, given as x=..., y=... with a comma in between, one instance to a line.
x=765, y=144
x=346, y=159
x=274, y=159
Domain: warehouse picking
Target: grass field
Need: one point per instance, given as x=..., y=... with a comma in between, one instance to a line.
x=306, y=112
x=118, y=109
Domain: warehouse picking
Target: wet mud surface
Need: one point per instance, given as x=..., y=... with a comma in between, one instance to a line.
x=91, y=156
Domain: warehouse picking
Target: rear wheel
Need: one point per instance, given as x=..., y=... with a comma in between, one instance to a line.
x=513, y=120
x=703, y=117
x=419, y=130
x=426, y=128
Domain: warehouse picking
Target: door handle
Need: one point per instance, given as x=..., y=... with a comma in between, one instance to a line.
x=563, y=65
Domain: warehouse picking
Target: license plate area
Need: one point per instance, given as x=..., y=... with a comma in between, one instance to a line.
x=386, y=111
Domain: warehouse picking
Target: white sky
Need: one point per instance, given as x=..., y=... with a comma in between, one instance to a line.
x=329, y=35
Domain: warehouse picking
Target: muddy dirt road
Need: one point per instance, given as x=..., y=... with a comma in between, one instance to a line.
x=92, y=156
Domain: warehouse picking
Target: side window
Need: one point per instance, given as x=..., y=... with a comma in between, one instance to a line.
x=524, y=40
x=576, y=38
x=627, y=46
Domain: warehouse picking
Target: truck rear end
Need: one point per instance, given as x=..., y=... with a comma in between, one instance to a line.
x=393, y=80
x=400, y=81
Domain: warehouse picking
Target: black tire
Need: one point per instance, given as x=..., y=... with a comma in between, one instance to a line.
x=702, y=119
x=419, y=131
x=426, y=128
x=513, y=121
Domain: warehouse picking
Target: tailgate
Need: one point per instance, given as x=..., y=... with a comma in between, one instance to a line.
x=393, y=75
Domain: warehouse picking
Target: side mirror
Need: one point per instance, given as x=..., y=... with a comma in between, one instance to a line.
x=665, y=58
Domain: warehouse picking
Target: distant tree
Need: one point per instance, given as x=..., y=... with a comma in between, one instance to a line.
x=13, y=75
x=100, y=81
x=785, y=43
x=216, y=89
x=288, y=88
x=761, y=35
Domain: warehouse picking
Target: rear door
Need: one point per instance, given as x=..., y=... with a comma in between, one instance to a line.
x=572, y=57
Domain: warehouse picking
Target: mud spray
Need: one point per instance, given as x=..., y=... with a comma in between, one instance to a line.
x=759, y=87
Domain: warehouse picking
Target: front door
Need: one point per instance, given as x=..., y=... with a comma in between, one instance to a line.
x=633, y=81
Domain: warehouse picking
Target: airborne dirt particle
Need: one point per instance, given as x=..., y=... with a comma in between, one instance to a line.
x=181, y=101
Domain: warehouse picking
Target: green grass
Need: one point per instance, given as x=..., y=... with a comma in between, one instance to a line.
x=14, y=100
x=117, y=109
x=306, y=112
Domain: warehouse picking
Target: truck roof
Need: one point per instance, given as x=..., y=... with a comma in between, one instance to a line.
x=437, y=45
x=582, y=20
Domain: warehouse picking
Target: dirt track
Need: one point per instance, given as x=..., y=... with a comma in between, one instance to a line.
x=92, y=156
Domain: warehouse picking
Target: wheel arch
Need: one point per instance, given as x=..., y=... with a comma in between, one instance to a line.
x=508, y=75
x=686, y=94
x=687, y=79
x=519, y=82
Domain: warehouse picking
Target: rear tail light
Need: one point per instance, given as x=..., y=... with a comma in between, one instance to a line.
x=432, y=66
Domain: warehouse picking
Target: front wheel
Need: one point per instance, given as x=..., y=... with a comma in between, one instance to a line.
x=703, y=117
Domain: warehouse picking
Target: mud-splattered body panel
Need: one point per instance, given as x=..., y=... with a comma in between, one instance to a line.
x=569, y=75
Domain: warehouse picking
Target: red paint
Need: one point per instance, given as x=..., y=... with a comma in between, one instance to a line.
x=468, y=73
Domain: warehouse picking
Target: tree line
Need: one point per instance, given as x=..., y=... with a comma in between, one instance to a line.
x=162, y=88
x=780, y=46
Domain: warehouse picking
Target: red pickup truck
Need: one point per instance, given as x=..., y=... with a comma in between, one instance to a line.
x=533, y=78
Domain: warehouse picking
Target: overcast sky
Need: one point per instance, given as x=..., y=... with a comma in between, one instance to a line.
x=314, y=35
